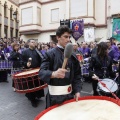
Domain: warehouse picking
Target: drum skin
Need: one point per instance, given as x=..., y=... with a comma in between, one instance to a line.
x=114, y=101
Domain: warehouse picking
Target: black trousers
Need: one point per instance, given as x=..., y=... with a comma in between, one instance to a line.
x=33, y=95
x=94, y=86
x=3, y=75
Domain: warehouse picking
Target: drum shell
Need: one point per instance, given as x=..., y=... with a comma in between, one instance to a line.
x=28, y=83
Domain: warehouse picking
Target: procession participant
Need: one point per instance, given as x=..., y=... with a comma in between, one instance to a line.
x=35, y=62
x=85, y=50
x=62, y=84
x=100, y=65
x=16, y=58
x=3, y=72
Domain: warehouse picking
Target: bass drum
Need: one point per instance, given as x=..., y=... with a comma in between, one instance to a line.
x=87, y=108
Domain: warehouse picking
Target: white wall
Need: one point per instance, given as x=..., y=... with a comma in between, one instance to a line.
x=100, y=11
x=46, y=14
x=115, y=6
x=44, y=37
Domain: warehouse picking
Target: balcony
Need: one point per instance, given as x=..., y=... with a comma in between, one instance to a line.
x=6, y=21
x=11, y=23
x=24, y=1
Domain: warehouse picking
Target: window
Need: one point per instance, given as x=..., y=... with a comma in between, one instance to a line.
x=16, y=33
x=11, y=32
x=11, y=12
x=0, y=7
x=27, y=16
x=0, y=31
x=55, y=15
x=5, y=9
x=38, y=15
x=78, y=8
x=5, y=31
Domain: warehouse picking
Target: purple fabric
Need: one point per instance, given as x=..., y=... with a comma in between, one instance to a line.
x=115, y=48
x=78, y=29
x=43, y=51
x=10, y=48
x=6, y=50
x=85, y=52
x=113, y=54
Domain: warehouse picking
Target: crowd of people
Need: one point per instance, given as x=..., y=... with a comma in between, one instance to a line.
x=62, y=84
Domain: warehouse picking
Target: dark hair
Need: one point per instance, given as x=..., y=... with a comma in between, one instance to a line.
x=101, y=49
x=30, y=40
x=62, y=29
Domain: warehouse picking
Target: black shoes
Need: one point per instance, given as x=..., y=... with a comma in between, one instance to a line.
x=34, y=103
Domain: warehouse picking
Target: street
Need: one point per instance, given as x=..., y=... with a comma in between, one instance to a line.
x=15, y=106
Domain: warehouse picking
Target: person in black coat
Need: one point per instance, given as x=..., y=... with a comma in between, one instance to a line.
x=16, y=58
x=62, y=84
x=35, y=62
x=3, y=72
x=100, y=65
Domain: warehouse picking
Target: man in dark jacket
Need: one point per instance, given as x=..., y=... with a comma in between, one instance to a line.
x=35, y=62
x=62, y=84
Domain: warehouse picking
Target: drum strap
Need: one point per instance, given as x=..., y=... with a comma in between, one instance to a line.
x=39, y=53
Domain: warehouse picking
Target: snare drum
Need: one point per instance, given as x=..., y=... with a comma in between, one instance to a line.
x=115, y=67
x=28, y=81
x=85, y=69
x=111, y=85
x=87, y=108
x=5, y=65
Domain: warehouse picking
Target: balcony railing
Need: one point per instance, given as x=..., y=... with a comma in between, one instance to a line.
x=11, y=23
x=6, y=21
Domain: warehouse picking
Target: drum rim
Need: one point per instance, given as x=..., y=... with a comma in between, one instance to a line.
x=27, y=75
x=82, y=98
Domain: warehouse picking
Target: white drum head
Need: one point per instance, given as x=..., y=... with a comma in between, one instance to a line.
x=28, y=72
x=84, y=110
x=111, y=85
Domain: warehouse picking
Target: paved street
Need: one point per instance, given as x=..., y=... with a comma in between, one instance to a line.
x=15, y=106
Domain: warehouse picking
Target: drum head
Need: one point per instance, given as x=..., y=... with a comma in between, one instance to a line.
x=27, y=72
x=84, y=109
x=111, y=85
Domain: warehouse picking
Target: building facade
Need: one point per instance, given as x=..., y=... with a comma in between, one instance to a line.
x=8, y=25
x=39, y=19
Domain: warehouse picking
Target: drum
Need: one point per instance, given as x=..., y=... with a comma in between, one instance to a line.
x=85, y=69
x=80, y=57
x=86, y=60
x=111, y=85
x=28, y=81
x=5, y=65
x=115, y=67
x=87, y=108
